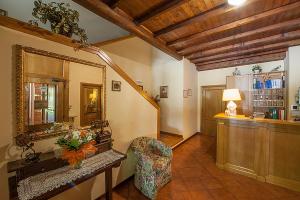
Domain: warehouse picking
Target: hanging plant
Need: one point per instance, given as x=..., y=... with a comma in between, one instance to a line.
x=63, y=20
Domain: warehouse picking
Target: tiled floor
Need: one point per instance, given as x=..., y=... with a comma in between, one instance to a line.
x=170, y=139
x=195, y=177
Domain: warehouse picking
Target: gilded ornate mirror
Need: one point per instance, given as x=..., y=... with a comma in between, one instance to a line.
x=55, y=93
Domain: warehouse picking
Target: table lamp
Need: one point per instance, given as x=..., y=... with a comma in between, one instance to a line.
x=231, y=95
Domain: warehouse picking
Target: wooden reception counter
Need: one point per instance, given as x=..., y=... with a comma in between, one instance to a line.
x=264, y=149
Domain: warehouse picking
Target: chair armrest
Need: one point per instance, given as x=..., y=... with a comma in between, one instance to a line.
x=162, y=148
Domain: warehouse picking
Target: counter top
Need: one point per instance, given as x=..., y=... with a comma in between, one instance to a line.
x=257, y=120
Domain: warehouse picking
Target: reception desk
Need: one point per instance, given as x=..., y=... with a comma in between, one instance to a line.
x=265, y=149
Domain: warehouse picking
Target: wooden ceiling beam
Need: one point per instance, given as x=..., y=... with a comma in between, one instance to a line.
x=103, y=10
x=111, y=3
x=158, y=10
x=244, y=61
x=218, y=10
x=191, y=39
x=269, y=47
x=243, y=56
x=249, y=44
x=291, y=24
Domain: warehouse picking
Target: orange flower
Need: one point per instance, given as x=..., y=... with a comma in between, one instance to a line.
x=74, y=157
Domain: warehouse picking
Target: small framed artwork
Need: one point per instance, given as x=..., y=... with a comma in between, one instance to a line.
x=116, y=86
x=185, y=94
x=190, y=92
x=163, y=91
x=3, y=12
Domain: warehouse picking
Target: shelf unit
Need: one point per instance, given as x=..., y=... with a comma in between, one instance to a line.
x=269, y=94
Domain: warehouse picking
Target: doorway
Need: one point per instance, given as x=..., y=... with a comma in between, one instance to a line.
x=212, y=104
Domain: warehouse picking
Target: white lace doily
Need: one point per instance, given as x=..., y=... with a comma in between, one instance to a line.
x=39, y=184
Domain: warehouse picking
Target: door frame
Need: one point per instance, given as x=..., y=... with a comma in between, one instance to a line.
x=208, y=87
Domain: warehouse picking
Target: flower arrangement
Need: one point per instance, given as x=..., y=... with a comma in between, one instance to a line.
x=77, y=144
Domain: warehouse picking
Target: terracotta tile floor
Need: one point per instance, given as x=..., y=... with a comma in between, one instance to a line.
x=195, y=177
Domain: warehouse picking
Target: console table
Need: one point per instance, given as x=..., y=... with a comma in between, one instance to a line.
x=15, y=181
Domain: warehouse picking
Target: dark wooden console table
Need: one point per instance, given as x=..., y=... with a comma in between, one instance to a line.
x=13, y=181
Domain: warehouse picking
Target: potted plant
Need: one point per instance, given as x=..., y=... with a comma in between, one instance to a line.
x=77, y=145
x=256, y=69
x=63, y=20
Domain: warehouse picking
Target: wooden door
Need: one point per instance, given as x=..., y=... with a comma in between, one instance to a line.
x=90, y=103
x=212, y=104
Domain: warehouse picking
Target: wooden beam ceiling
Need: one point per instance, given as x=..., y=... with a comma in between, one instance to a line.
x=189, y=40
x=248, y=51
x=243, y=61
x=208, y=33
x=218, y=10
x=248, y=45
x=291, y=24
x=243, y=56
x=159, y=9
x=103, y=10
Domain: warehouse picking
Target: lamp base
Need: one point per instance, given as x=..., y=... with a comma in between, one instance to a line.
x=231, y=109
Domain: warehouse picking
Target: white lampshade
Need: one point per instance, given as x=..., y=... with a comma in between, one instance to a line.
x=236, y=2
x=231, y=95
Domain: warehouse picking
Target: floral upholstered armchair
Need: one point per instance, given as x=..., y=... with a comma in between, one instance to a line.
x=153, y=169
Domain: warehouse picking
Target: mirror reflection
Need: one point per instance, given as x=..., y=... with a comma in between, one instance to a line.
x=59, y=93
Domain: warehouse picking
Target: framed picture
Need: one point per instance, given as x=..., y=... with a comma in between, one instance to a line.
x=163, y=91
x=189, y=92
x=185, y=94
x=116, y=86
x=3, y=12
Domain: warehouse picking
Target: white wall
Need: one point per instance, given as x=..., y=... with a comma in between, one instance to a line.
x=168, y=71
x=130, y=115
x=218, y=77
x=293, y=60
x=190, y=108
x=134, y=56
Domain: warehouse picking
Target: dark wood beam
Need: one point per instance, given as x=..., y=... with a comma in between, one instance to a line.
x=291, y=24
x=103, y=10
x=243, y=56
x=244, y=61
x=189, y=40
x=111, y=3
x=159, y=9
x=270, y=47
x=218, y=10
x=249, y=44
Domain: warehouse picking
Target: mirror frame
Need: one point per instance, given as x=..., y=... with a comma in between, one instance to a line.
x=20, y=93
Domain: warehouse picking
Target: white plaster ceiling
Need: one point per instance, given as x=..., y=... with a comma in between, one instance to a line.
x=97, y=28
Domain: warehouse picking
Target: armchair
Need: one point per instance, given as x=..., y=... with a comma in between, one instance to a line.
x=153, y=169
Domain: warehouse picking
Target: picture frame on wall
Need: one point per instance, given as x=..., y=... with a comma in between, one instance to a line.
x=116, y=86
x=189, y=92
x=185, y=94
x=163, y=91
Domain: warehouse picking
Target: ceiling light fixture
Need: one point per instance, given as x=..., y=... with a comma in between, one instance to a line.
x=236, y=2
